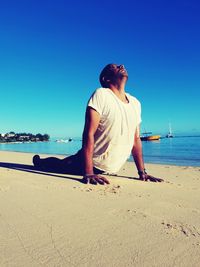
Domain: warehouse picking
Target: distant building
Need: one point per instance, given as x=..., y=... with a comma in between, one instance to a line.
x=24, y=137
x=10, y=135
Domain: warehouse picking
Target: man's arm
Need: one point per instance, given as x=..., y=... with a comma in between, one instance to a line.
x=138, y=158
x=137, y=151
x=92, y=120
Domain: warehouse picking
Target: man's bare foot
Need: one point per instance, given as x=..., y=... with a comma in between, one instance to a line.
x=36, y=161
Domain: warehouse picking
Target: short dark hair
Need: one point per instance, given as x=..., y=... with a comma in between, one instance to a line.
x=106, y=74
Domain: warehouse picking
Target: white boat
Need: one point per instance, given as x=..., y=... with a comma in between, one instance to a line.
x=170, y=135
x=61, y=141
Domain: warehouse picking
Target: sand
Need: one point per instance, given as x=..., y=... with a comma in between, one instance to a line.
x=54, y=220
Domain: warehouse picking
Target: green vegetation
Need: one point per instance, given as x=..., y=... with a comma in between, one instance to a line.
x=23, y=137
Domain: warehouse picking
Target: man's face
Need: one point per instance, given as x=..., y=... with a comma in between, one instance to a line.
x=118, y=71
x=113, y=74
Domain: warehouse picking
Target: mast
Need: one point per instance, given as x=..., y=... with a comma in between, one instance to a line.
x=170, y=129
x=169, y=135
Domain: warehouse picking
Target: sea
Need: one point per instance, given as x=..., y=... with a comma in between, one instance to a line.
x=180, y=150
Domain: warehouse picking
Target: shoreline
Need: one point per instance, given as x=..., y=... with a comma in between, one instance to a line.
x=67, y=155
x=171, y=152
x=23, y=142
x=55, y=220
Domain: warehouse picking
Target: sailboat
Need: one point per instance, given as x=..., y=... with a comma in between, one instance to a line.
x=170, y=135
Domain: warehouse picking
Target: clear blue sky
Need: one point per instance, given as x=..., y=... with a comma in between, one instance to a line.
x=53, y=51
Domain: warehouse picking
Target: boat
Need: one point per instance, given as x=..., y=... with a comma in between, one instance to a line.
x=170, y=135
x=149, y=137
x=64, y=140
x=61, y=141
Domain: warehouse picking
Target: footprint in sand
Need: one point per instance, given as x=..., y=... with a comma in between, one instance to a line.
x=137, y=213
x=114, y=189
x=196, y=211
x=102, y=190
x=186, y=229
x=129, y=213
x=4, y=188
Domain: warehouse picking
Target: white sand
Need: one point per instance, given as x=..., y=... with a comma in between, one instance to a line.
x=54, y=220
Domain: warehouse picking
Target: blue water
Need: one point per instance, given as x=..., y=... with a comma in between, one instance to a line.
x=183, y=151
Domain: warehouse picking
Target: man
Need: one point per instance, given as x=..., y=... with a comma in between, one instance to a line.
x=111, y=133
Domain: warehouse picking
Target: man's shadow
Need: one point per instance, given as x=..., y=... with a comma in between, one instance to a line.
x=35, y=170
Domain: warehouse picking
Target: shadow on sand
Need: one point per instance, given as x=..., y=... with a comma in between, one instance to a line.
x=33, y=169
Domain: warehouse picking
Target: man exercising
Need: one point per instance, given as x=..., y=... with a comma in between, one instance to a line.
x=111, y=133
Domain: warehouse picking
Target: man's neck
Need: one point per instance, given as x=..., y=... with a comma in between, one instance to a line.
x=119, y=91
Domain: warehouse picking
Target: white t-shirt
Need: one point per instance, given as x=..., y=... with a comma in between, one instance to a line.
x=114, y=138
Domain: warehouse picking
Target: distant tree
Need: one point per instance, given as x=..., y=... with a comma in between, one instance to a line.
x=17, y=135
x=46, y=137
x=39, y=136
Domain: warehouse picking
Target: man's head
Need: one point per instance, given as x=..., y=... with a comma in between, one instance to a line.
x=113, y=74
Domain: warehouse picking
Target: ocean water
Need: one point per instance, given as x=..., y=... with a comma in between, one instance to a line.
x=182, y=151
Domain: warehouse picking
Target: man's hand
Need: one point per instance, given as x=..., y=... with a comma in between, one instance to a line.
x=146, y=177
x=95, y=179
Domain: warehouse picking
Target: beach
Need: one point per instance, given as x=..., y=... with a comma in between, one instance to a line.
x=49, y=219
